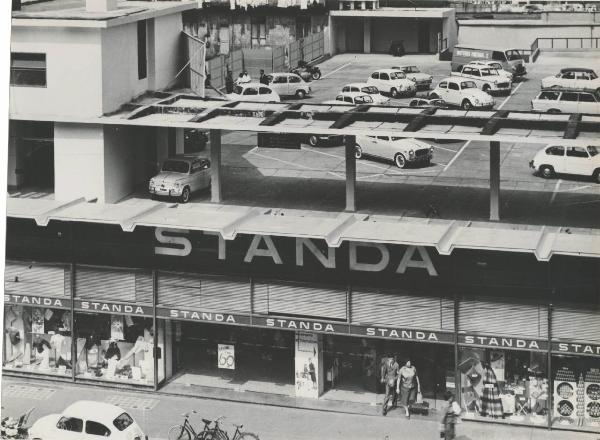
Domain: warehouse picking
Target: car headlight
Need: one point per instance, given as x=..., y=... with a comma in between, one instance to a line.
x=477, y=101
x=431, y=78
x=413, y=79
x=176, y=185
x=411, y=153
x=431, y=150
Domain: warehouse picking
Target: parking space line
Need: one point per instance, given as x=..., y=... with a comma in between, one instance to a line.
x=456, y=155
x=445, y=149
x=335, y=70
x=556, y=187
x=295, y=164
x=322, y=152
x=343, y=158
x=578, y=188
x=508, y=97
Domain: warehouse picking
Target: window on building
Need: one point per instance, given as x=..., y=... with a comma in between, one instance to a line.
x=142, y=49
x=28, y=69
x=303, y=28
x=258, y=29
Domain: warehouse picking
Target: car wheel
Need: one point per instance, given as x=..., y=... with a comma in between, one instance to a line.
x=547, y=171
x=433, y=96
x=486, y=88
x=394, y=92
x=185, y=195
x=358, y=153
x=596, y=175
x=400, y=160
x=300, y=94
x=313, y=141
x=466, y=105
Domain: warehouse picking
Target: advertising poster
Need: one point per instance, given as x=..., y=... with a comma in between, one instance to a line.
x=116, y=328
x=37, y=321
x=307, y=365
x=226, y=356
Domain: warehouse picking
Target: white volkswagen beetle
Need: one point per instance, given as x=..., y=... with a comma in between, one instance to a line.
x=87, y=420
x=401, y=150
x=370, y=90
x=393, y=82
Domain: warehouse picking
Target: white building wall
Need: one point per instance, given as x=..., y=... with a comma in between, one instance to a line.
x=450, y=30
x=73, y=72
x=119, y=162
x=168, y=49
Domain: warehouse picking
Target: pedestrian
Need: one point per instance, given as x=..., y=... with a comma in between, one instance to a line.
x=450, y=416
x=243, y=78
x=408, y=386
x=389, y=376
x=263, y=78
x=229, y=82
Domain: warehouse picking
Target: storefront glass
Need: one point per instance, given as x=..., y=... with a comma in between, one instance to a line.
x=116, y=348
x=37, y=340
x=504, y=385
x=576, y=390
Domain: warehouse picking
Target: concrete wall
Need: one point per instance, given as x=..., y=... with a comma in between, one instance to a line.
x=450, y=30
x=119, y=162
x=387, y=29
x=73, y=72
x=168, y=48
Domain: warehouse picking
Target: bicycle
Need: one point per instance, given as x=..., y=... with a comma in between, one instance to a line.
x=218, y=434
x=187, y=431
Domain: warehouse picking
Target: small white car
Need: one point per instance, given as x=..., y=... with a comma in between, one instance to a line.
x=373, y=91
x=87, y=420
x=463, y=93
x=288, y=84
x=351, y=98
x=493, y=65
x=402, y=151
x=556, y=159
x=253, y=92
x=573, y=78
x=393, y=82
x=422, y=80
x=566, y=101
x=488, y=80
x=427, y=103
x=180, y=176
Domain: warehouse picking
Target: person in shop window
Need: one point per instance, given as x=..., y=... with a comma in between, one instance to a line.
x=389, y=376
x=408, y=386
x=312, y=372
x=41, y=348
x=450, y=416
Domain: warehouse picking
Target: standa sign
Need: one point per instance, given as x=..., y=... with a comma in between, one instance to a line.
x=572, y=347
x=403, y=334
x=177, y=243
x=300, y=324
x=204, y=316
x=502, y=342
x=113, y=308
x=30, y=300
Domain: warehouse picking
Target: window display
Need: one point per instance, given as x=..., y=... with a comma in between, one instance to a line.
x=37, y=340
x=115, y=348
x=503, y=384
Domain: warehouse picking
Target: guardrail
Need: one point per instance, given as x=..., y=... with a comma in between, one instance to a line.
x=563, y=43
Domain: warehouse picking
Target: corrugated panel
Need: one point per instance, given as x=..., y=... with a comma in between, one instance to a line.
x=143, y=287
x=503, y=319
x=395, y=309
x=204, y=293
x=260, y=299
x=302, y=300
x=105, y=284
x=576, y=324
x=30, y=278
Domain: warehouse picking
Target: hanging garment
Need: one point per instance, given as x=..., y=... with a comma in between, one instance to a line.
x=303, y=4
x=491, y=405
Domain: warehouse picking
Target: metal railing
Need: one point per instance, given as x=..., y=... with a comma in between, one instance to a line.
x=563, y=43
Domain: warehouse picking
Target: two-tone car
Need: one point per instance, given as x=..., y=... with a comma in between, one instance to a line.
x=486, y=79
x=421, y=79
x=573, y=78
x=369, y=89
x=253, y=91
x=288, y=84
x=462, y=93
x=558, y=159
x=402, y=151
x=393, y=82
x=351, y=98
x=180, y=176
x=566, y=101
x=493, y=65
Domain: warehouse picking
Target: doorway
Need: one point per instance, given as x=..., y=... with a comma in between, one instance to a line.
x=423, y=44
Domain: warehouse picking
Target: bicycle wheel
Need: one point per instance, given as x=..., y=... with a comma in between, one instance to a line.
x=179, y=432
x=248, y=436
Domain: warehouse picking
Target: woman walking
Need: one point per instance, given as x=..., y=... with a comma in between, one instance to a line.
x=449, y=417
x=408, y=386
x=491, y=405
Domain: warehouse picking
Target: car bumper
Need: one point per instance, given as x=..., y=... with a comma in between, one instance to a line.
x=420, y=159
x=424, y=84
x=165, y=191
x=532, y=165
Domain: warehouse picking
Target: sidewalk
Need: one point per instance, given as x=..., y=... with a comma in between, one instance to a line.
x=156, y=412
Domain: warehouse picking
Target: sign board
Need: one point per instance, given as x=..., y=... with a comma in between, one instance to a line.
x=226, y=356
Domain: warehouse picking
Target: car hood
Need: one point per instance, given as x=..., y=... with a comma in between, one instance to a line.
x=419, y=76
x=44, y=425
x=479, y=94
x=168, y=177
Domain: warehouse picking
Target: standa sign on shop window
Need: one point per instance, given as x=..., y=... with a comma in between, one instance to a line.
x=576, y=348
x=203, y=316
x=32, y=300
x=300, y=324
x=403, y=334
x=503, y=342
x=113, y=308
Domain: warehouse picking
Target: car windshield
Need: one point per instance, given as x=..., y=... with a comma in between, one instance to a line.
x=371, y=90
x=497, y=66
x=177, y=166
x=397, y=75
x=364, y=99
x=468, y=85
x=123, y=421
x=412, y=69
x=488, y=72
x=238, y=90
x=593, y=75
x=592, y=150
x=512, y=55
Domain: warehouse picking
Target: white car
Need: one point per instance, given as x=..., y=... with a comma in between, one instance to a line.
x=573, y=78
x=422, y=80
x=253, y=92
x=288, y=84
x=371, y=90
x=351, y=98
x=488, y=80
x=393, y=82
x=462, y=92
x=180, y=176
x=556, y=159
x=87, y=420
x=493, y=65
x=402, y=151
x=566, y=101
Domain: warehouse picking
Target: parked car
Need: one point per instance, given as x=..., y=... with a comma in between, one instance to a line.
x=87, y=420
x=180, y=176
x=370, y=90
x=566, y=101
x=573, y=78
x=422, y=80
x=427, y=103
x=288, y=84
x=402, y=151
x=510, y=59
x=488, y=80
x=393, y=82
x=351, y=98
x=318, y=140
x=462, y=92
x=253, y=92
x=556, y=159
x=493, y=65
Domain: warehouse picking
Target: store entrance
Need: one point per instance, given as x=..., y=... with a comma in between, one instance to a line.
x=236, y=358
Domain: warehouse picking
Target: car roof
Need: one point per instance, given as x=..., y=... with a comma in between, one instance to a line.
x=576, y=69
x=357, y=85
x=102, y=411
x=253, y=84
x=189, y=157
x=386, y=70
x=352, y=94
x=283, y=74
x=566, y=89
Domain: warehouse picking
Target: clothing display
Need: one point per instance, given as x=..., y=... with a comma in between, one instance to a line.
x=491, y=405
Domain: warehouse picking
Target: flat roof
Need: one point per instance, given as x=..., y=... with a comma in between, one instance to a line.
x=334, y=228
x=395, y=13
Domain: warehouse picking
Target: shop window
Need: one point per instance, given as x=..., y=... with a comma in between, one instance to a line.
x=258, y=30
x=38, y=340
x=504, y=384
x=28, y=69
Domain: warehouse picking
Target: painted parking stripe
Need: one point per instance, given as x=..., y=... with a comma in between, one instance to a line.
x=509, y=96
x=445, y=149
x=555, y=191
x=456, y=155
x=296, y=165
x=335, y=70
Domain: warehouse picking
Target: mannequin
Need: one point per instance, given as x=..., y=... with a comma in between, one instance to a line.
x=144, y=344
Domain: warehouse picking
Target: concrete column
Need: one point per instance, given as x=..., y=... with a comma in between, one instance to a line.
x=495, y=181
x=350, y=143
x=162, y=145
x=367, y=34
x=179, y=141
x=215, y=166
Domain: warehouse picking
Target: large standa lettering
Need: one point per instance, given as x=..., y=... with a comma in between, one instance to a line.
x=255, y=251
x=425, y=262
x=369, y=267
x=327, y=261
x=185, y=243
x=222, y=252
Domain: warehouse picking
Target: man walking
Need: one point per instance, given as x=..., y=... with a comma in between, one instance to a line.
x=389, y=376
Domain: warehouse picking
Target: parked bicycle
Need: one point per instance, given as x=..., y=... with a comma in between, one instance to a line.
x=187, y=432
